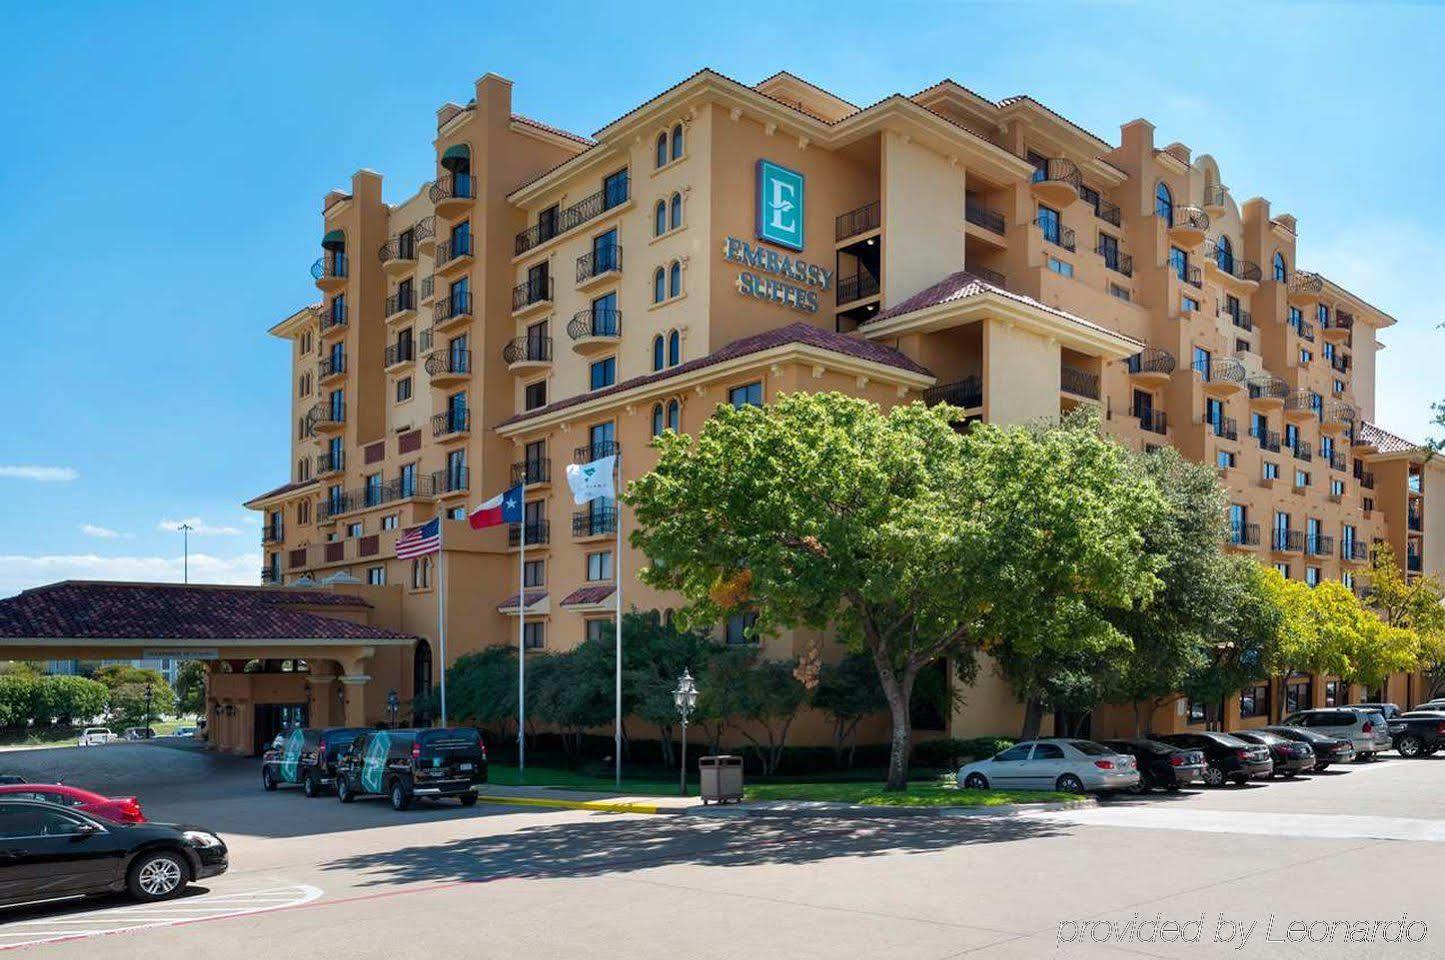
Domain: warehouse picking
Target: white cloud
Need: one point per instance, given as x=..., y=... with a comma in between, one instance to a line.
x=199, y=527
x=18, y=572
x=104, y=533
x=40, y=474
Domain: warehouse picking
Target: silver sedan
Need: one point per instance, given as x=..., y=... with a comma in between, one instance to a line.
x=1070, y=765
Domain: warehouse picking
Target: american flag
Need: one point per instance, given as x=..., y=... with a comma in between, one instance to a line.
x=420, y=541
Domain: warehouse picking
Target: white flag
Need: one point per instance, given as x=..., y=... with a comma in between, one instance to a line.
x=591, y=480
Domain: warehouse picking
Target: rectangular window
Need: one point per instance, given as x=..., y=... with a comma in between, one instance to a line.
x=1298, y=695
x=614, y=189
x=749, y=394
x=1282, y=569
x=1061, y=267
x=390, y=522
x=599, y=565
x=1188, y=305
x=739, y=626
x=457, y=513
x=534, y=573
x=1202, y=358
x=1305, y=356
x=1271, y=470
x=407, y=479
x=1121, y=293
x=403, y=389
x=1337, y=488
x=533, y=636
x=376, y=576
x=353, y=529
x=598, y=630
x=1312, y=576
x=1335, y=695
x=602, y=373
x=1224, y=459
x=534, y=395
x=373, y=489
x=1179, y=263
x=1048, y=221
x=1254, y=701
x=1301, y=478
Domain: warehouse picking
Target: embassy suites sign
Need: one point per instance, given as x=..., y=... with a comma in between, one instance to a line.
x=769, y=275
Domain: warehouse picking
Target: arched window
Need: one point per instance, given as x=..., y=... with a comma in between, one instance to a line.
x=421, y=669
x=659, y=219
x=674, y=279
x=657, y=420
x=674, y=348
x=677, y=141
x=1224, y=255
x=1164, y=203
x=674, y=415
x=659, y=286
x=675, y=220
x=657, y=354
x=662, y=149
x=1281, y=272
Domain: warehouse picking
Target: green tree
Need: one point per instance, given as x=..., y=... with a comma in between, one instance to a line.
x=19, y=693
x=191, y=687
x=654, y=655
x=136, y=695
x=481, y=690
x=1248, y=648
x=1412, y=603
x=64, y=700
x=848, y=691
x=564, y=690
x=1366, y=648
x=772, y=695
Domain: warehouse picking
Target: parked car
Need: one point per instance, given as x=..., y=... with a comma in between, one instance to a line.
x=138, y=733
x=406, y=764
x=1161, y=766
x=1328, y=750
x=94, y=736
x=6, y=778
x=1343, y=723
x=119, y=809
x=308, y=757
x=1387, y=710
x=1437, y=705
x=1418, y=733
x=1225, y=757
x=50, y=851
x=1290, y=757
x=183, y=732
x=1069, y=765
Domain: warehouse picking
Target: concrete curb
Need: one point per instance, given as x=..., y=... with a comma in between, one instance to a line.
x=602, y=806
x=821, y=808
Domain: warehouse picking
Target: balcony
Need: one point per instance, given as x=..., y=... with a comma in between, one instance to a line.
x=1150, y=420
x=1267, y=392
x=857, y=222
x=451, y=311
x=326, y=417
x=538, y=532
x=1337, y=415
x=1287, y=541
x=1243, y=535
x=1268, y=440
x=588, y=208
x=330, y=271
x=1221, y=376
x=1300, y=405
x=966, y=393
x=1226, y=428
x=330, y=462
x=454, y=255
x=1302, y=451
x=1242, y=319
x=401, y=352
x=1080, y=383
x=1214, y=200
x=1415, y=522
x=1354, y=551
x=452, y=194
x=1188, y=225
x=1305, y=288
x=594, y=329
x=1056, y=233
x=451, y=424
x=1107, y=211
x=981, y=216
x=270, y=575
x=1304, y=330
x=331, y=368
x=398, y=255
x=449, y=367
x=400, y=304
x=596, y=451
x=450, y=480
x=1320, y=546
x=1365, y=477
x=424, y=234
x=858, y=286
x=1224, y=263
x=530, y=352
x=603, y=263
x=1056, y=182
x=1338, y=461
x=532, y=294
x=1340, y=327
x=273, y=532
x=1120, y=263
x=532, y=472
x=595, y=522
x=333, y=318
x=1414, y=563
x=1152, y=365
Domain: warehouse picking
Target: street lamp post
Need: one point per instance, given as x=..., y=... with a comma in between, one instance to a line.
x=685, y=696
x=185, y=529
x=149, y=692
x=392, y=703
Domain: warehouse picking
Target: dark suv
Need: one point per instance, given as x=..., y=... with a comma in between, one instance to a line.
x=406, y=764
x=307, y=756
x=1225, y=757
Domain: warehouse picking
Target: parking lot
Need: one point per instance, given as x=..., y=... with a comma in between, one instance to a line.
x=314, y=877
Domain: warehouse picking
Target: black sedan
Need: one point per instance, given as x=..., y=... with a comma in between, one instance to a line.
x=1418, y=733
x=1225, y=757
x=1291, y=757
x=49, y=852
x=1327, y=749
x=1162, y=766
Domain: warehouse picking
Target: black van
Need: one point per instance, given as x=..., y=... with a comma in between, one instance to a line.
x=307, y=756
x=406, y=764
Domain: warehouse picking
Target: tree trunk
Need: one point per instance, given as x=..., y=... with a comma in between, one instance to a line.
x=897, y=690
x=1033, y=719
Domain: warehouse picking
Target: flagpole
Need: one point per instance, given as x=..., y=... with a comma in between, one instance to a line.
x=522, y=638
x=442, y=607
x=617, y=569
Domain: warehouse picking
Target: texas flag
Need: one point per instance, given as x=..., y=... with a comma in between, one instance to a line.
x=505, y=507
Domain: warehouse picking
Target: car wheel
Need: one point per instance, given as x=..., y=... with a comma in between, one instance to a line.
x=1172, y=788
x=1213, y=776
x=268, y=779
x=1365, y=757
x=468, y=799
x=1321, y=767
x=1288, y=774
x=1069, y=783
x=343, y=790
x=400, y=795
x=976, y=781
x=157, y=876
x=1410, y=746
x=311, y=785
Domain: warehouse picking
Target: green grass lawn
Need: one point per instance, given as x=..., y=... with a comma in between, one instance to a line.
x=647, y=783
x=919, y=794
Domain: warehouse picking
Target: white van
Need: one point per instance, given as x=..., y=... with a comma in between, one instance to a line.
x=1361, y=728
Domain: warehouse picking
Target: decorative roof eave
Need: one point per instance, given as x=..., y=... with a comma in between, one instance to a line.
x=1073, y=332
x=805, y=353
x=1054, y=124
x=292, y=325
x=280, y=495
x=1365, y=311
x=1170, y=160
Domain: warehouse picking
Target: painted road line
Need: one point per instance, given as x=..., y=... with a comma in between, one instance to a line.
x=1307, y=825
x=123, y=919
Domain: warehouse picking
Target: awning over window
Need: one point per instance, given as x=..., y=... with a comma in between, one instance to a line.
x=334, y=240
x=457, y=157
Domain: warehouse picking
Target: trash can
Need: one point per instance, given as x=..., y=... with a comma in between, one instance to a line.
x=721, y=779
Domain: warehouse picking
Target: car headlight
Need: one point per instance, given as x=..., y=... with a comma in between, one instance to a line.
x=202, y=839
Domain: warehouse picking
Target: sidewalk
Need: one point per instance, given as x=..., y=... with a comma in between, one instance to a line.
x=604, y=801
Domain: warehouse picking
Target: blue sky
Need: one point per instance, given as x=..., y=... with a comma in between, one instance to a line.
x=164, y=164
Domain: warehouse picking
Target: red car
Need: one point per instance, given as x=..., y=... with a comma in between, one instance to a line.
x=119, y=809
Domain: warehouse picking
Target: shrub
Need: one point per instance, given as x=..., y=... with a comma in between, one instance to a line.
x=951, y=752
x=65, y=699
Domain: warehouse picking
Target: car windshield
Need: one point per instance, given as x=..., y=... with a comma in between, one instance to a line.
x=1089, y=748
x=1226, y=739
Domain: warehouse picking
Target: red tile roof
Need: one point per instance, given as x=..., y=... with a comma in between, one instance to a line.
x=1383, y=440
x=278, y=491
x=534, y=597
x=587, y=141
x=587, y=595
x=793, y=333
x=171, y=611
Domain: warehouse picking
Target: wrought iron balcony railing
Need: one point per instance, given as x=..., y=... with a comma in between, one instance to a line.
x=596, y=451
x=527, y=349
x=854, y=222
x=1150, y=419
x=599, y=261
x=595, y=322
x=579, y=213
x=1152, y=360
x=532, y=291
x=981, y=216
x=594, y=522
x=965, y=393
x=450, y=422
x=538, y=532
x=532, y=471
x=1081, y=383
x=857, y=286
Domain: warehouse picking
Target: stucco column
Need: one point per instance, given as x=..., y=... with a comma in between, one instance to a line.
x=355, y=686
x=323, y=710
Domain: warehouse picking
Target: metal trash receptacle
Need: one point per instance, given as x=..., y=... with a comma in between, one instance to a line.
x=720, y=779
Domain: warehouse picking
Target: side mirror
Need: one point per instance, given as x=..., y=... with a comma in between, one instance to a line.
x=84, y=830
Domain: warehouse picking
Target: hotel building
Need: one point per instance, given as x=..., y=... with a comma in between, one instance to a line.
x=549, y=298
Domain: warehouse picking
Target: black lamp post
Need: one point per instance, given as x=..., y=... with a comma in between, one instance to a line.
x=685, y=696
